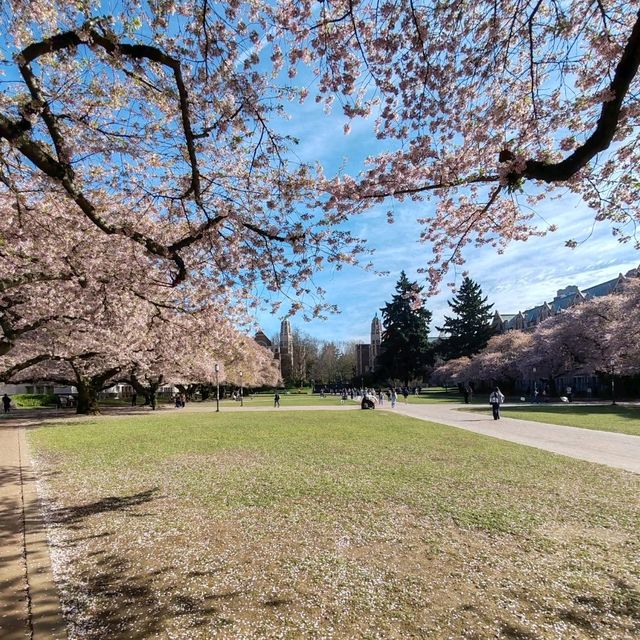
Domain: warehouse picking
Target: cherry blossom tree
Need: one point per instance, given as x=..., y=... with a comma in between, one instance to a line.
x=600, y=335
x=596, y=336
x=142, y=180
x=154, y=124
x=453, y=371
x=486, y=107
x=502, y=359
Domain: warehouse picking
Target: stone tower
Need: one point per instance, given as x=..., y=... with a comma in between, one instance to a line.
x=286, y=350
x=376, y=339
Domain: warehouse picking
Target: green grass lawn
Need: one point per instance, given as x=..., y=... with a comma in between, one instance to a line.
x=436, y=395
x=290, y=400
x=618, y=418
x=332, y=524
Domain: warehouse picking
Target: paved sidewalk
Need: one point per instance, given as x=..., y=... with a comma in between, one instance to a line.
x=29, y=603
x=613, y=449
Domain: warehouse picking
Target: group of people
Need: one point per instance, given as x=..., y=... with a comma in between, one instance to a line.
x=371, y=397
x=180, y=400
x=65, y=402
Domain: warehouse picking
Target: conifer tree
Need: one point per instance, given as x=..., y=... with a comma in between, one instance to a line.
x=405, y=349
x=469, y=330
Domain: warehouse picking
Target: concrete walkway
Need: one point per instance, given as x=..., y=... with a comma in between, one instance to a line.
x=29, y=603
x=612, y=449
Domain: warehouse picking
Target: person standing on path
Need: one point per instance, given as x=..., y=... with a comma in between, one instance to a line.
x=495, y=400
x=394, y=398
x=276, y=401
x=6, y=403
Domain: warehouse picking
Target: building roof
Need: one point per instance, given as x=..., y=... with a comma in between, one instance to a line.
x=603, y=289
x=564, y=299
x=262, y=339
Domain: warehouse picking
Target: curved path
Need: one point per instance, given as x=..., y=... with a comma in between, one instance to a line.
x=613, y=449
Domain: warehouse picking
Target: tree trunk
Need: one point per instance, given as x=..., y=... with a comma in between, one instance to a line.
x=87, y=399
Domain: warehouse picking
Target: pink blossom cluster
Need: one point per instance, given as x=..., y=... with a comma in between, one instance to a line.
x=484, y=108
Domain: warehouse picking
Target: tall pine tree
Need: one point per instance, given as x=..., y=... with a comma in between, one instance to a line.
x=469, y=330
x=405, y=350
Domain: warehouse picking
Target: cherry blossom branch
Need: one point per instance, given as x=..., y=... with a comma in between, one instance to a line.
x=7, y=374
x=431, y=187
x=606, y=127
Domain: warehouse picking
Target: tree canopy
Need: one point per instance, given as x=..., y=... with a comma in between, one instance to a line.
x=145, y=163
x=405, y=351
x=469, y=329
x=489, y=108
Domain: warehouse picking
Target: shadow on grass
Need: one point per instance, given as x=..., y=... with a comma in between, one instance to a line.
x=588, y=609
x=109, y=595
x=113, y=601
x=74, y=515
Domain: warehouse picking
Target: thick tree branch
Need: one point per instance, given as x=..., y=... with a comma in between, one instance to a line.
x=7, y=374
x=601, y=138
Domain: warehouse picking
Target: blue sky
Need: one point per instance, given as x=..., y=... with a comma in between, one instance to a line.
x=525, y=275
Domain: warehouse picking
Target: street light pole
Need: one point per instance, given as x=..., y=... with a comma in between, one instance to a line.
x=612, y=366
x=241, y=391
x=217, y=369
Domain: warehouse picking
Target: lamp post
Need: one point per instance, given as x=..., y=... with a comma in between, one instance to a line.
x=612, y=367
x=217, y=370
x=241, y=391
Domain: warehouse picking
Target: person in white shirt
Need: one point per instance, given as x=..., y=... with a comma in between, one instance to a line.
x=495, y=400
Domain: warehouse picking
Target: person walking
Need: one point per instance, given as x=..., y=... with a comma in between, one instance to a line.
x=276, y=401
x=394, y=398
x=495, y=400
x=6, y=403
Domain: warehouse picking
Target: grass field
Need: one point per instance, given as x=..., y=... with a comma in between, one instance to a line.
x=333, y=525
x=290, y=400
x=618, y=418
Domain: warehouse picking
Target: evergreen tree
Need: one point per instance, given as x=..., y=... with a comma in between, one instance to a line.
x=405, y=350
x=469, y=330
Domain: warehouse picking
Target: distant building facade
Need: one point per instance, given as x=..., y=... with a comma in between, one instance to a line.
x=564, y=299
x=367, y=354
x=286, y=350
x=363, y=359
x=282, y=351
x=376, y=341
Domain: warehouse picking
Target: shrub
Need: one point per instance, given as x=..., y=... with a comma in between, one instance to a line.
x=34, y=399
